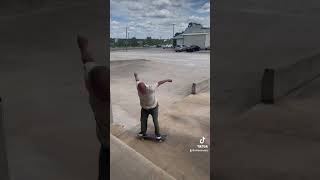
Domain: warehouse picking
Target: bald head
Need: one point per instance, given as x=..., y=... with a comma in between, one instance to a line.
x=99, y=78
x=142, y=88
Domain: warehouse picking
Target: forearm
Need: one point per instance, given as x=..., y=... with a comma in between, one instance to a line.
x=136, y=77
x=83, y=46
x=86, y=56
x=164, y=81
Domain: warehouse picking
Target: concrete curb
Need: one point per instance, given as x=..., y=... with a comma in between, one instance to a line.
x=126, y=163
x=280, y=81
x=130, y=61
x=200, y=86
x=129, y=48
x=4, y=170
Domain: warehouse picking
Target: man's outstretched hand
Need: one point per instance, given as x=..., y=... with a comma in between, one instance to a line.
x=136, y=76
x=169, y=80
x=82, y=43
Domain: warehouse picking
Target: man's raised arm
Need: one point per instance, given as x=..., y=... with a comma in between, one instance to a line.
x=164, y=81
x=136, y=77
x=83, y=46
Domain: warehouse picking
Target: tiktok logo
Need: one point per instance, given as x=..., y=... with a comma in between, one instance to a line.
x=201, y=147
x=202, y=140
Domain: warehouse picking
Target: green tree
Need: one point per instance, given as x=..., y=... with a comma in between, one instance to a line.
x=134, y=42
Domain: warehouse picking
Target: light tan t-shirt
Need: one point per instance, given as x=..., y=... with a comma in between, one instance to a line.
x=148, y=100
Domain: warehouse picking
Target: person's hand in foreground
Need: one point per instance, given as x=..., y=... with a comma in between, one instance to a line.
x=83, y=45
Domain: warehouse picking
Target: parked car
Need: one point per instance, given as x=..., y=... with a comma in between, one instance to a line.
x=167, y=46
x=180, y=48
x=193, y=48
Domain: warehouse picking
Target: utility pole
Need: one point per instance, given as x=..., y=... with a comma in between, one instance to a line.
x=126, y=38
x=172, y=32
x=129, y=38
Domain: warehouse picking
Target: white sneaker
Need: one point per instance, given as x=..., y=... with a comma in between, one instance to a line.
x=158, y=137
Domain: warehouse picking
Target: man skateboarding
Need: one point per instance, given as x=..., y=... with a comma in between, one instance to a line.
x=97, y=84
x=149, y=104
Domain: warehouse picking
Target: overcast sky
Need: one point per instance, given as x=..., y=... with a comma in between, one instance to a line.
x=155, y=17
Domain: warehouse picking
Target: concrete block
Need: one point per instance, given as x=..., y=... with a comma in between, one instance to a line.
x=280, y=81
x=4, y=170
x=200, y=86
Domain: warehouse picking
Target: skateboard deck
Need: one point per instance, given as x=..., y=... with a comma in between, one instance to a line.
x=153, y=137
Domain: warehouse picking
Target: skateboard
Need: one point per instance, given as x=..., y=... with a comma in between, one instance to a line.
x=153, y=137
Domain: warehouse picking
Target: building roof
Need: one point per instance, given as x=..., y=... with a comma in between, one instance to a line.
x=193, y=29
x=180, y=36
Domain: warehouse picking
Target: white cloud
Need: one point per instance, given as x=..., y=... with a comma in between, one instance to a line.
x=163, y=13
x=205, y=8
x=155, y=17
x=114, y=23
x=135, y=6
x=196, y=19
x=161, y=4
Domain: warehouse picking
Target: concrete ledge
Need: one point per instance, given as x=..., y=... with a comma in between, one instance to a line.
x=128, y=48
x=127, y=61
x=126, y=163
x=200, y=86
x=280, y=81
x=4, y=170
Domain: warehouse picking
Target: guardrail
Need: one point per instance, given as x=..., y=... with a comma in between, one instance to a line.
x=4, y=170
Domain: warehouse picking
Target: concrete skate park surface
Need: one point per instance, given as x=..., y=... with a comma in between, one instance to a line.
x=252, y=36
x=279, y=141
x=152, y=65
x=270, y=141
x=185, y=123
x=126, y=163
x=49, y=126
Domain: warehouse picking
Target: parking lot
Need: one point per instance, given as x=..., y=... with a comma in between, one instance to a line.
x=152, y=65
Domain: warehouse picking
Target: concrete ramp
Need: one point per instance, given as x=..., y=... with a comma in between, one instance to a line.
x=185, y=123
x=126, y=163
